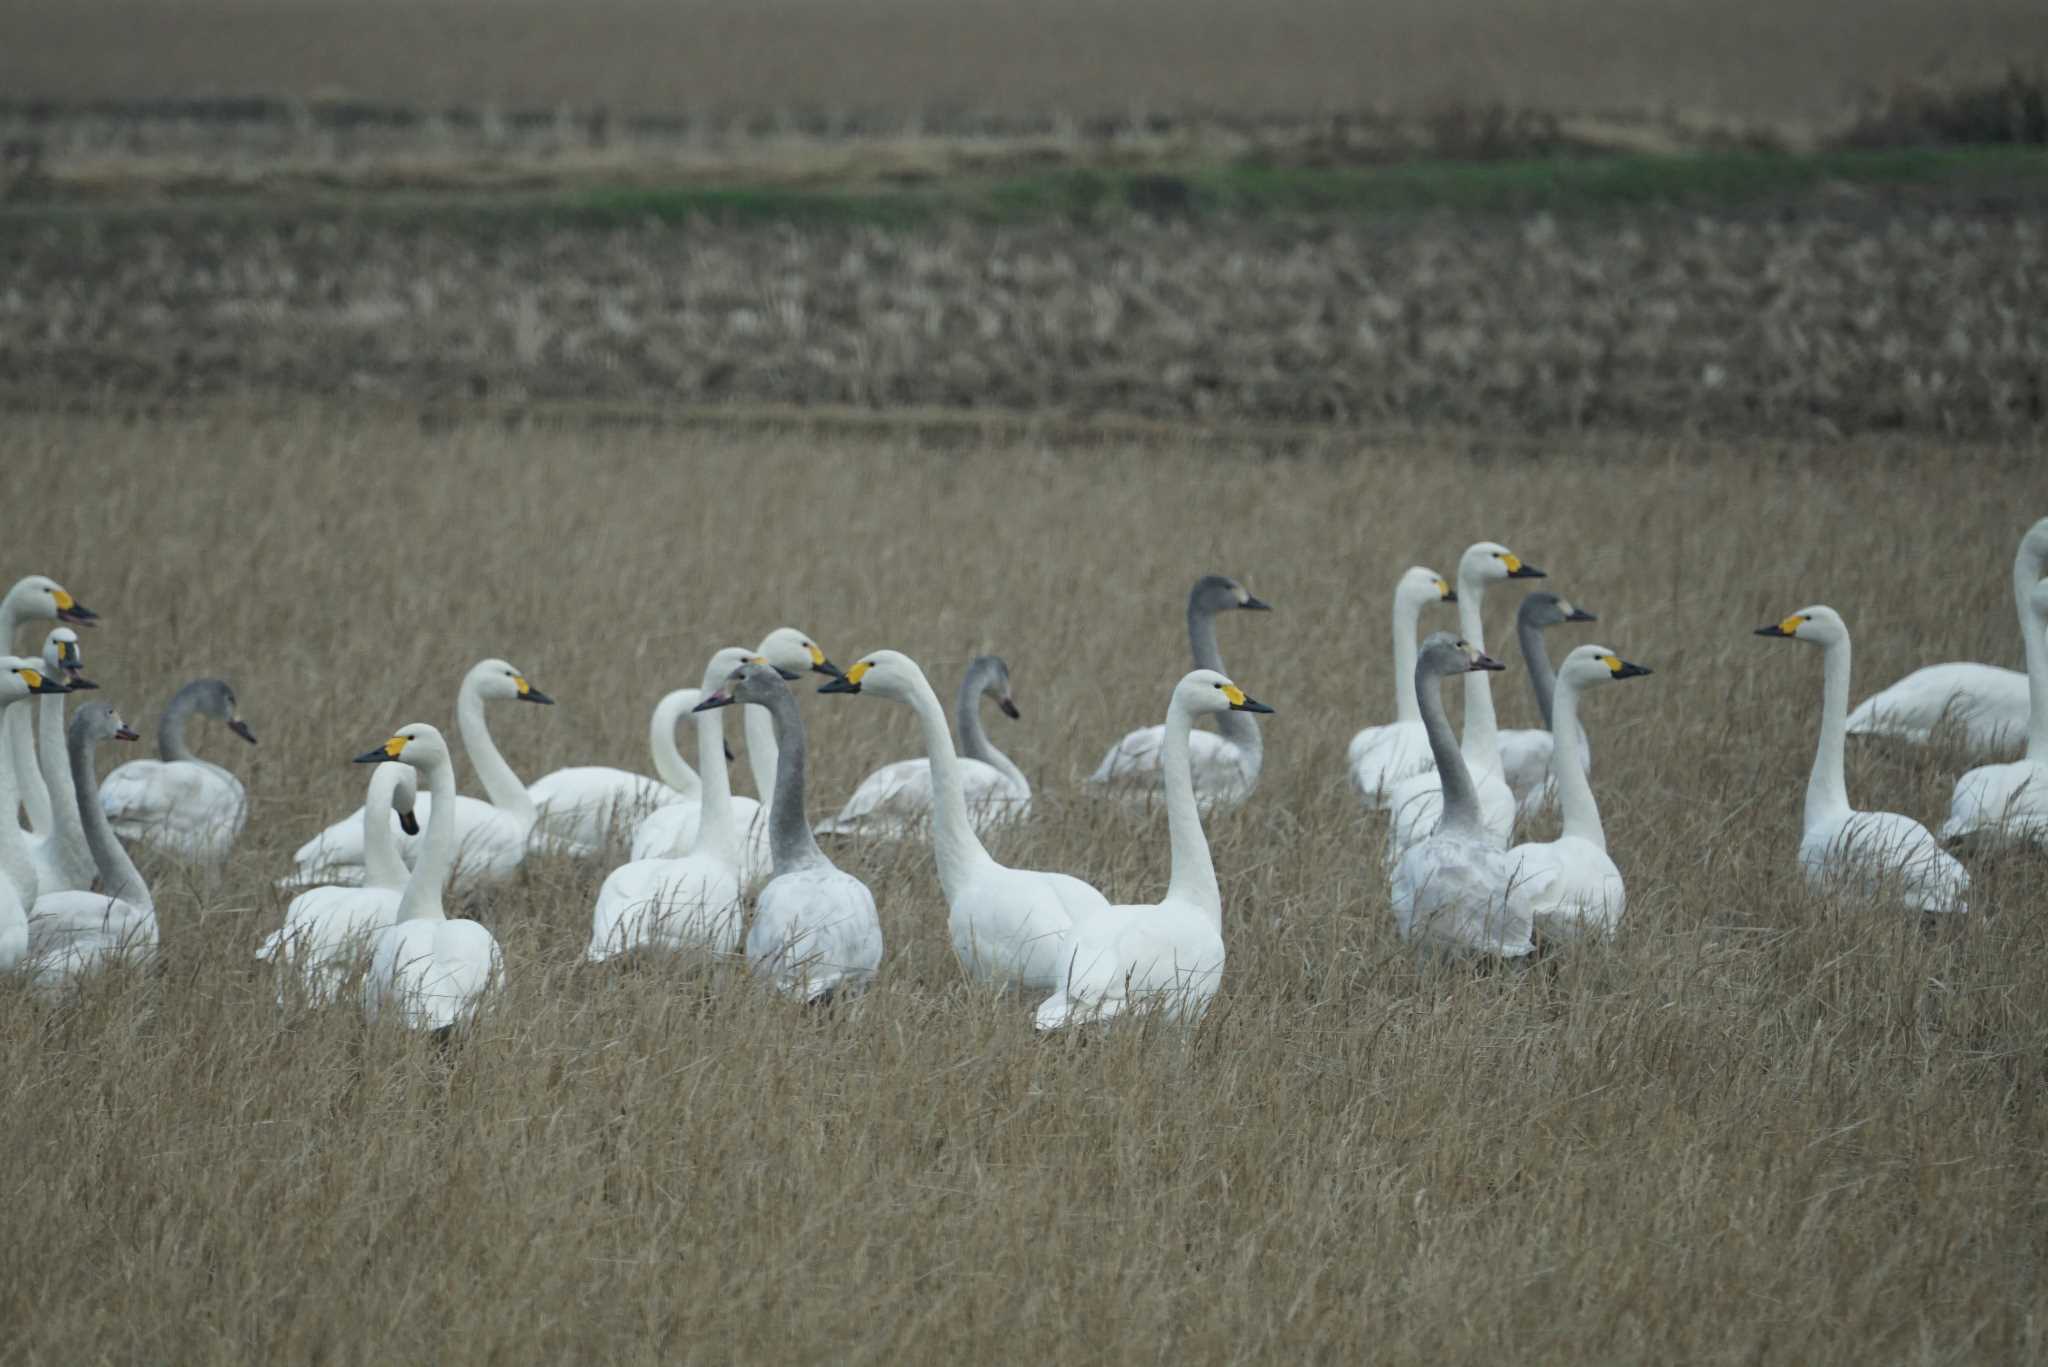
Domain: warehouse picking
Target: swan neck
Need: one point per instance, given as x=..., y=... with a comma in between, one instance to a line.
x=382, y=866
x=790, y=843
x=1461, y=799
x=1407, y=621
x=1574, y=790
x=715, y=833
x=759, y=729
x=669, y=765
x=170, y=727
x=15, y=861
x=1536, y=656
x=1827, y=791
x=1482, y=734
x=1236, y=727
x=501, y=785
x=118, y=876
x=974, y=740
x=1193, y=877
x=958, y=852
x=32, y=794
x=422, y=898
x=2034, y=638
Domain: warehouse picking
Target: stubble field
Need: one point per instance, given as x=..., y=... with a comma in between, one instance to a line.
x=1755, y=1127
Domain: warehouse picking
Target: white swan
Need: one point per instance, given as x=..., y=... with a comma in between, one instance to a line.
x=429, y=972
x=72, y=933
x=588, y=804
x=492, y=835
x=1992, y=705
x=62, y=858
x=895, y=801
x=1525, y=753
x=1226, y=766
x=2007, y=804
x=815, y=934
x=1417, y=802
x=1381, y=756
x=327, y=931
x=1166, y=956
x=37, y=598
x=1007, y=925
x=690, y=902
x=1572, y=887
x=180, y=803
x=1876, y=854
x=19, y=681
x=1456, y=890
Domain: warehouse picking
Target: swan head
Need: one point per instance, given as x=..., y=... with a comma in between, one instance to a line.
x=1419, y=586
x=497, y=681
x=884, y=673
x=1215, y=593
x=1549, y=610
x=1489, y=562
x=1818, y=625
x=1204, y=690
x=1597, y=665
x=795, y=653
x=21, y=677
x=41, y=598
x=397, y=786
x=759, y=683
x=98, y=721
x=994, y=676
x=1444, y=654
x=416, y=744
x=214, y=698
x=61, y=659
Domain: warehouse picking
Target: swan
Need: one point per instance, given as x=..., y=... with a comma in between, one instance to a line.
x=815, y=933
x=691, y=901
x=326, y=930
x=1525, y=753
x=429, y=972
x=1226, y=766
x=74, y=932
x=1456, y=889
x=19, y=681
x=37, y=598
x=180, y=803
x=1416, y=802
x=588, y=804
x=1993, y=705
x=1006, y=924
x=1573, y=888
x=896, y=799
x=2007, y=804
x=493, y=834
x=1879, y=854
x=1381, y=756
x=1168, y=955
x=794, y=654
x=61, y=856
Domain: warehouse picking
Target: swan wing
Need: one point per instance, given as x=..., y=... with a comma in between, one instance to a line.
x=1990, y=703
x=1381, y=757
x=815, y=933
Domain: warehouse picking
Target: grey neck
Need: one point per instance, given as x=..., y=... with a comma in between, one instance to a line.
x=1461, y=799
x=170, y=729
x=1237, y=726
x=1541, y=677
x=118, y=876
x=790, y=843
x=974, y=741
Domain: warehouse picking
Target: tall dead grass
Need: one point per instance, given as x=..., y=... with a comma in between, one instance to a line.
x=1756, y=1127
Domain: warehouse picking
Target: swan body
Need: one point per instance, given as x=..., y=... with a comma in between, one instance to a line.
x=73, y=933
x=36, y=598
x=1872, y=854
x=2007, y=804
x=426, y=971
x=19, y=681
x=1226, y=766
x=327, y=931
x=589, y=805
x=1415, y=804
x=492, y=835
x=1007, y=925
x=61, y=857
x=815, y=934
x=1572, y=886
x=1381, y=756
x=896, y=800
x=1456, y=890
x=1525, y=752
x=691, y=901
x=179, y=803
x=1166, y=956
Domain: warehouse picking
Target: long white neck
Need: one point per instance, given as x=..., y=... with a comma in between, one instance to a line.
x=72, y=851
x=1574, y=789
x=1482, y=733
x=422, y=899
x=1193, y=879
x=669, y=765
x=2026, y=573
x=958, y=852
x=1461, y=799
x=15, y=863
x=382, y=868
x=715, y=833
x=1827, y=791
x=501, y=785
x=1407, y=620
x=762, y=753
x=33, y=794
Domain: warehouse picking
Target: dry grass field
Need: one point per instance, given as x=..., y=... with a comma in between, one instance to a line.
x=1756, y=1127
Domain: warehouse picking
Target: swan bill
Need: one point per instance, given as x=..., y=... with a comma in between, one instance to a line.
x=1008, y=707
x=1788, y=627
x=38, y=684
x=1519, y=568
x=1579, y=614
x=71, y=612
x=848, y=682
x=390, y=749
x=819, y=664
x=126, y=732
x=241, y=728
x=1252, y=604
x=724, y=699
x=1624, y=669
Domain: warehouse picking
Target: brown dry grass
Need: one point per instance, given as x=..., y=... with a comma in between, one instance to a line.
x=1756, y=1128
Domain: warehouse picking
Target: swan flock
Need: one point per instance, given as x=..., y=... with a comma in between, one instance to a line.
x=390, y=902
